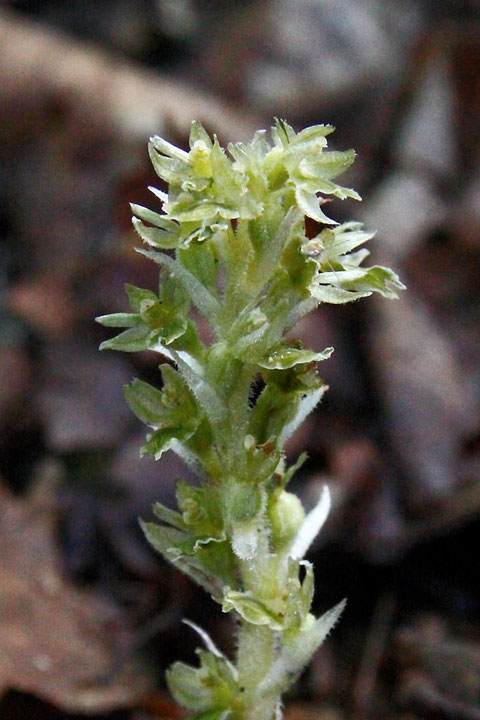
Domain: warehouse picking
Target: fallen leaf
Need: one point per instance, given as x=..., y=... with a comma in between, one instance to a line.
x=59, y=643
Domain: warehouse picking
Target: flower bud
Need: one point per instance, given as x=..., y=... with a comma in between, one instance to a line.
x=286, y=515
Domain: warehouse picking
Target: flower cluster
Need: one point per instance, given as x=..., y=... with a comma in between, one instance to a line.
x=231, y=246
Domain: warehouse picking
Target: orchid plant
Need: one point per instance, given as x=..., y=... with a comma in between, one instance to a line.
x=237, y=272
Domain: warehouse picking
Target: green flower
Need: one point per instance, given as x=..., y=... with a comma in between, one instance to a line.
x=339, y=277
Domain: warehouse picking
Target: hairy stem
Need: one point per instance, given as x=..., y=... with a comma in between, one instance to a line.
x=255, y=655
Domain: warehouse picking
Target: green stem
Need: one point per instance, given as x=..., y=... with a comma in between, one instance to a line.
x=258, y=645
x=255, y=655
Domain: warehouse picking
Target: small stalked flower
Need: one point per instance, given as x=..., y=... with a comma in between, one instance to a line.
x=233, y=226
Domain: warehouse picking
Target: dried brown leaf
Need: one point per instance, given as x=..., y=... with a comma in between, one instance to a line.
x=57, y=642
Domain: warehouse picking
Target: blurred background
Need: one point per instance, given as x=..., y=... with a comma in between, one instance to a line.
x=89, y=616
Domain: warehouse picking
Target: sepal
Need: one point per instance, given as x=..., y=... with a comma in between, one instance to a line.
x=153, y=218
x=135, y=339
x=136, y=296
x=125, y=320
x=335, y=295
x=158, y=237
x=284, y=135
x=168, y=516
x=310, y=206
